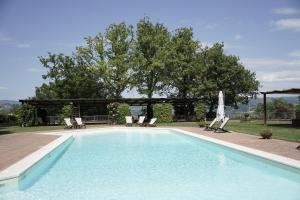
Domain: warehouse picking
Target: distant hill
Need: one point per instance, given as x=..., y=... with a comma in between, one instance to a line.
x=7, y=105
x=253, y=103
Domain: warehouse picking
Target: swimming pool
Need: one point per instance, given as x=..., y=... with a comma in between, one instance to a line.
x=129, y=164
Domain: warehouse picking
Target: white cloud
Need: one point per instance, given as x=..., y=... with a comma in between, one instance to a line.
x=3, y=88
x=237, y=37
x=4, y=38
x=287, y=24
x=282, y=76
x=23, y=46
x=295, y=53
x=206, y=25
x=271, y=64
x=35, y=70
x=286, y=11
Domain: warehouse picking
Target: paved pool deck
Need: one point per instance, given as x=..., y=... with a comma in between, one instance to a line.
x=14, y=147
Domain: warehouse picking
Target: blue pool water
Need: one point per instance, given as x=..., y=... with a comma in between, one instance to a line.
x=157, y=164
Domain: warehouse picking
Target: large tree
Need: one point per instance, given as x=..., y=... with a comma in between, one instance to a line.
x=67, y=79
x=150, y=50
x=110, y=57
x=181, y=63
x=218, y=71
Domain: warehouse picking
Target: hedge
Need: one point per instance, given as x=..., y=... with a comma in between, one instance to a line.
x=26, y=115
x=122, y=111
x=163, y=112
x=200, y=112
x=117, y=112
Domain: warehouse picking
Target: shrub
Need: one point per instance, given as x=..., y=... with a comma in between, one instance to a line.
x=122, y=111
x=266, y=134
x=245, y=117
x=163, y=112
x=201, y=123
x=26, y=115
x=112, y=112
x=297, y=110
x=67, y=111
x=200, y=112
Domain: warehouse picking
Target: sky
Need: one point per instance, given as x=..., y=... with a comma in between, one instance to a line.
x=264, y=34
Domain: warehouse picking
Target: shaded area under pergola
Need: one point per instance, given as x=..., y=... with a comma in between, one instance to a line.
x=287, y=91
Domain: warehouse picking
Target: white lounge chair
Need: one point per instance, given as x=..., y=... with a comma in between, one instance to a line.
x=221, y=128
x=68, y=123
x=128, y=120
x=210, y=127
x=141, y=121
x=152, y=121
x=79, y=122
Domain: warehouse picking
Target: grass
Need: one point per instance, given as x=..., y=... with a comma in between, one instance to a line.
x=281, y=129
x=7, y=129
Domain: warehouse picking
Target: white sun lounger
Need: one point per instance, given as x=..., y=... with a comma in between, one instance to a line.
x=152, y=121
x=79, y=122
x=221, y=128
x=68, y=123
x=128, y=120
x=210, y=127
x=141, y=120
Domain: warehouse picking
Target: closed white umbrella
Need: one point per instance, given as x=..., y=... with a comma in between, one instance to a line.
x=220, y=110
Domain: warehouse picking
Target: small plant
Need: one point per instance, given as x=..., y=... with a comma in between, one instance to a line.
x=266, y=134
x=245, y=117
x=297, y=110
x=201, y=123
x=113, y=112
x=200, y=111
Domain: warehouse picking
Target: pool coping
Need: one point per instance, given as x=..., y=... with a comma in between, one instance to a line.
x=11, y=174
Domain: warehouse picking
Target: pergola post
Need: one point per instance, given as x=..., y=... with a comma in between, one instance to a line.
x=265, y=109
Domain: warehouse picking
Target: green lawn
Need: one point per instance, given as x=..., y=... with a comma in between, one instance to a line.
x=281, y=129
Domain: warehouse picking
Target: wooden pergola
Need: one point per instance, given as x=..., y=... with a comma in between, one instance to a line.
x=79, y=105
x=288, y=91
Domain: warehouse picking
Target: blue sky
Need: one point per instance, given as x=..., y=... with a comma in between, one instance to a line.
x=264, y=34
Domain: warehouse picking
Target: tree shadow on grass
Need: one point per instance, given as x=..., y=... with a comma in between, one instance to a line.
x=275, y=125
x=4, y=132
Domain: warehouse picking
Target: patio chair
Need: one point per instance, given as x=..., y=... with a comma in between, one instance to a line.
x=79, y=122
x=141, y=121
x=152, y=121
x=210, y=127
x=128, y=120
x=221, y=128
x=68, y=123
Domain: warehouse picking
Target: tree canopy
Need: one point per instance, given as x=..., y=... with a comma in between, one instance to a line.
x=151, y=59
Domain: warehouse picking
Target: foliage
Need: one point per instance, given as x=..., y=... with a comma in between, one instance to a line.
x=297, y=109
x=163, y=112
x=279, y=107
x=200, y=111
x=26, y=115
x=245, y=117
x=181, y=63
x=201, y=124
x=109, y=56
x=153, y=60
x=113, y=112
x=67, y=111
x=266, y=134
x=149, y=56
x=68, y=78
x=122, y=111
x=8, y=118
x=220, y=72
